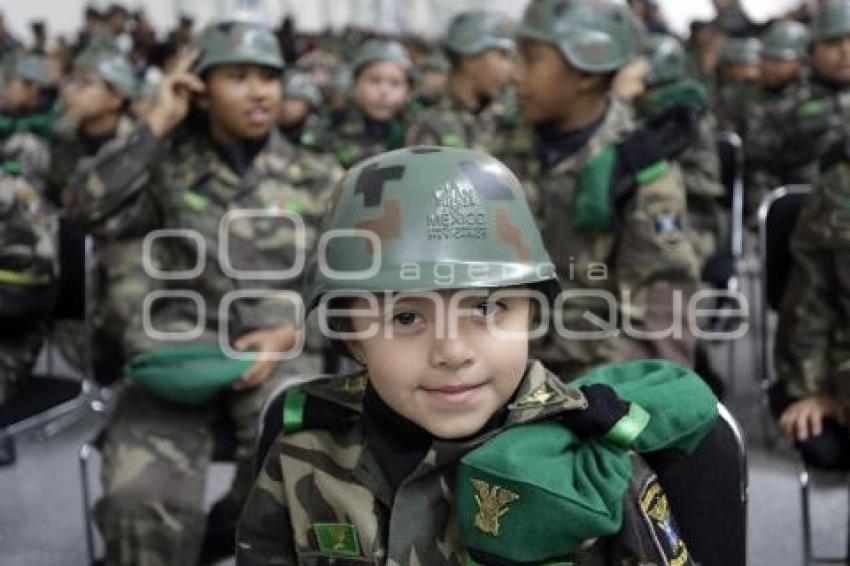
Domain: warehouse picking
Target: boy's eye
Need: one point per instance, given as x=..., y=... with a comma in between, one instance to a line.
x=406, y=318
x=490, y=308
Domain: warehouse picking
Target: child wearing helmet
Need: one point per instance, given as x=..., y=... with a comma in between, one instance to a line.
x=431, y=273
x=222, y=201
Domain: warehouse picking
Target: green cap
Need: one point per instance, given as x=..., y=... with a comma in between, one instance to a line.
x=785, y=41
x=421, y=212
x=238, y=43
x=300, y=86
x=378, y=50
x=594, y=37
x=741, y=51
x=32, y=68
x=831, y=21
x=436, y=61
x=667, y=60
x=511, y=512
x=112, y=67
x=188, y=375
x=475, y=31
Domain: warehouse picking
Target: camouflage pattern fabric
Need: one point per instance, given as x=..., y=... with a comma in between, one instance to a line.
x=27, y=155
x=732, y=102
x=812, y=349
x=450, y=123
x=321, y=494
x=803, y=125
x=642, y=263
x=351, y=137
x=156, y=454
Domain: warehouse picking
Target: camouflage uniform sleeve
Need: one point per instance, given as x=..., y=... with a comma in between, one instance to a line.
x=420, y=132
x=114, y=195
x=656, y=268
x=264, y=532
x=762, y=173
x=807, y=315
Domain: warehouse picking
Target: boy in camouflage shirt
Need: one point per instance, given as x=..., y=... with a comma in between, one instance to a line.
x=405, y=462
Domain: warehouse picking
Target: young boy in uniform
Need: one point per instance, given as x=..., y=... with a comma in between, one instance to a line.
x=423, y=456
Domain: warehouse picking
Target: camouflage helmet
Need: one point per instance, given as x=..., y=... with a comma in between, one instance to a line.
x=378, y=50
x=33, y=69
x=435, y=62
x=407, y=217
x=785, y=41
x=112, y=67
x=741, y=51
x=475, y=31
x=831, y=20
x=301, y=87
x=667, y=60
x=235, y=43
x=594, y=37
x=341, y=79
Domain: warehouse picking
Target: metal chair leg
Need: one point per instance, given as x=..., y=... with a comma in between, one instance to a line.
x=84, y=456
x=807, y=519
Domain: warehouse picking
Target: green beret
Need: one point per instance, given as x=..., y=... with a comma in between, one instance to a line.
x=573, y=492
x=188, y=375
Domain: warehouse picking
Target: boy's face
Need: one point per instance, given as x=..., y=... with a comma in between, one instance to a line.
x=242, y=100
x=546, y=83
x=381, y=90
x=87, y=96
x=19, y=95
x=491, y=70
x=776, y=73
x=448, y=382
x=831, y=60
x=293, y=111
x=739, y=73
x=433, y=83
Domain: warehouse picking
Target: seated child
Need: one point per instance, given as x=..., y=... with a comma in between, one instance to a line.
x=451, y=446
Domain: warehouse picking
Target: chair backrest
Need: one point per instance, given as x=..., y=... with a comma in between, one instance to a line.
x=708, y=492
x=778, y=215
x=271, y=419
x=73, y=251
x=730, y=150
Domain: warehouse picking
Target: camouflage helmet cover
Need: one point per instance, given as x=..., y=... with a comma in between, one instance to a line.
x=785, y=41
x=831, y=20
x=403, y=219
x=237, y=43
x=667, y=60
x=300, y=86
x=597, y=36
x=476, y=31
x=375, y=51
x=112, y=67
x=33, y=69
x=741, y=51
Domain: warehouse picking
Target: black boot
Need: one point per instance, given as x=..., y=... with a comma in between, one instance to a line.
x=220, y=536
x=7, y=450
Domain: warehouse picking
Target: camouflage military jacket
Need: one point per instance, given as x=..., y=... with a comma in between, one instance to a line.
x=812, y=350
x=450, y=123
x=628, y=275
x=762, y=146
x=810, y=120
x=26, y=155
x=731, y=106
x=351, y=137
x=69, y=155
x=322, y=497
x=232, y=242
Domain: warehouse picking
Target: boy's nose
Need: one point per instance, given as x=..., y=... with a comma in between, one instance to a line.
x=451, y=353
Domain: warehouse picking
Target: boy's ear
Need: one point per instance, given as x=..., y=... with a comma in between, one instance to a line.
x=202, y=99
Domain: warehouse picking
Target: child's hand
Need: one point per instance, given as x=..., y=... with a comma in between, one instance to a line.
x=174, y=96
x=803, y=419
x=267, y=341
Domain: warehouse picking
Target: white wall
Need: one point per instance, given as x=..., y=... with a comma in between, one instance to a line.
x=65, y=16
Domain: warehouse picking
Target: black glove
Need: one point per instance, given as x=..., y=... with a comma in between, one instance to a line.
x=604, y=410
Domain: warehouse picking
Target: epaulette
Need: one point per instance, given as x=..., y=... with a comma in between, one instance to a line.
x=330, y=404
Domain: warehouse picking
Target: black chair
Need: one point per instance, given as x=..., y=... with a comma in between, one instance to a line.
x=707, y=488
x=777, y=217
x=47, y=400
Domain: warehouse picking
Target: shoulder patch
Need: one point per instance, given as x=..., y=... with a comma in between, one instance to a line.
x=811, y=108
x=655, y=511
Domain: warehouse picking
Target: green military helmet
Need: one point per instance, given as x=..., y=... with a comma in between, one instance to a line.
x=341, y=80
x=476, y=31
x=429, y=218
x=436, y=61
x=595, y=37
x=785, y=41
x=831, y=20
x=379, y=50
x=300, y=86
x=667, y=59
x=33, y=69
x=112, y=67
x=238, y=43
x=741, y=51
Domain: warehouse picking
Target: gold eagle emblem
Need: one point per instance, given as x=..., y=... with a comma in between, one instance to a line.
x=492, y=504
